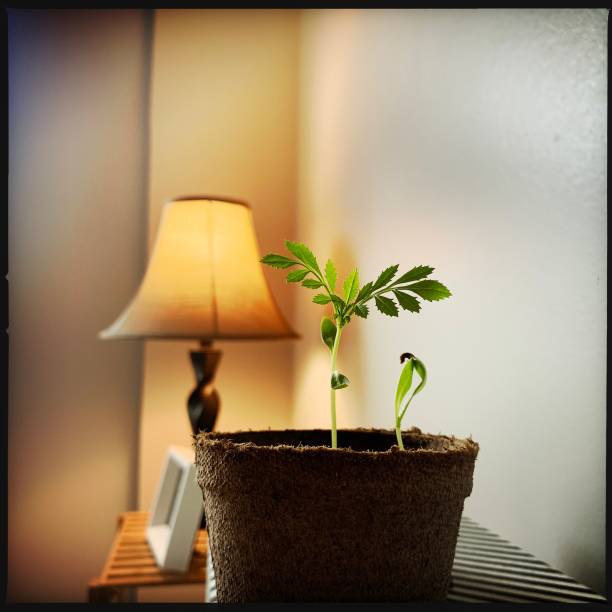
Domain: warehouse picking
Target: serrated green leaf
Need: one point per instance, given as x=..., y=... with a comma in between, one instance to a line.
x=407, y=302
x=304, y=254
x=339, y=381
x=416, y=273
x=351, y=286
x=277, y=261
x=311, y=283
x=328, y=332
x=430, y=290
x=295, y=276
x=361, y=310
x=364, y=292
x=420, y=369
x=321, y=298
x=385, y=276
x=338, y=301
x=386, y=306
x=330, y=274
x=403, y=385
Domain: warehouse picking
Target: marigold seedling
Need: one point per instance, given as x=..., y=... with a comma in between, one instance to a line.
x=403, y=389
x=354, y=301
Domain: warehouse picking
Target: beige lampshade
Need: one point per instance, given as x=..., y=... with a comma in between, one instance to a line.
x=204, y=279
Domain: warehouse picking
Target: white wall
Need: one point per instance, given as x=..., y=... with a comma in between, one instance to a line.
x=77, y=151
x=472, y=141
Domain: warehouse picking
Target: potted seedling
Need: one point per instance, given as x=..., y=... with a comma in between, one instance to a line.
x=338, y=515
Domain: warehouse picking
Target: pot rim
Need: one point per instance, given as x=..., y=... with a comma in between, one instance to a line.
x=452, y=446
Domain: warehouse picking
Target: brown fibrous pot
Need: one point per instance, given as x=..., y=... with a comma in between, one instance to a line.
x=291, y=519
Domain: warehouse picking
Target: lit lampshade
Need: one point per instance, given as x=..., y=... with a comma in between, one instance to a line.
x=204, y=279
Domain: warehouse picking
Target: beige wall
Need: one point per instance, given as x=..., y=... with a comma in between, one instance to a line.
x=77, y=100
x=473, y=141
x=223, y=121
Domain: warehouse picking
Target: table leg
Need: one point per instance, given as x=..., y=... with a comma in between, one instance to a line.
x=100, y=594
x=128, y=595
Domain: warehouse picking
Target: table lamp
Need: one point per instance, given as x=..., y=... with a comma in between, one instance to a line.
x=203, y=282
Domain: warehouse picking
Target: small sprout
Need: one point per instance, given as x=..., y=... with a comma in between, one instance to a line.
x=353, y=302
x=403, y=388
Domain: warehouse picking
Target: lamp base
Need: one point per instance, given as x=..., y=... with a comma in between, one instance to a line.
x=203, y=402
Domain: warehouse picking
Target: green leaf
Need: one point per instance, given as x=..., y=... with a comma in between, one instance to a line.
x=338, y=301
x=351, y=286
x=277, y=261
x=304, y=254
x=330, y=274
x=328, y=332
x=385, y=276
x=339, y=381
x=311, y=283
x=386, y=306
x=407, y=302
x=416, y=273
x=295, y=276
x=364, y=292
x=419, y=367
x=321, y=298
x=430, y=290
x=361, y=310
x=403, y=385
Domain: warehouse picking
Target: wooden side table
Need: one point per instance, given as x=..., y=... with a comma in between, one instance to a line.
x=130, y=563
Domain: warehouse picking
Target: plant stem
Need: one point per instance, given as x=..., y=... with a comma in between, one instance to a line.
x=398, y=427
x=398, y=433
x=334, y=354
x=334, y=432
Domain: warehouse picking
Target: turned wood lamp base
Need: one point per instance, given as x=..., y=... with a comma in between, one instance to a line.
x=203, y=402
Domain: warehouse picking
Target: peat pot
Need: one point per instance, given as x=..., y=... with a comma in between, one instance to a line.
x=291, y=519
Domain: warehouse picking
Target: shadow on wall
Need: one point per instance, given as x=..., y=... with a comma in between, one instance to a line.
x=77, y=159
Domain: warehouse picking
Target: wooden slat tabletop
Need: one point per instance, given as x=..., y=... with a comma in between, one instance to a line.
x=130, y=562
x=489, y=569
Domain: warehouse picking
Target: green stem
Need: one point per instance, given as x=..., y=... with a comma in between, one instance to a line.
x=398, y=427
x=401, y=416
x=334, y=433
x=319, y=276
x=398, y=433
x=334, y=354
